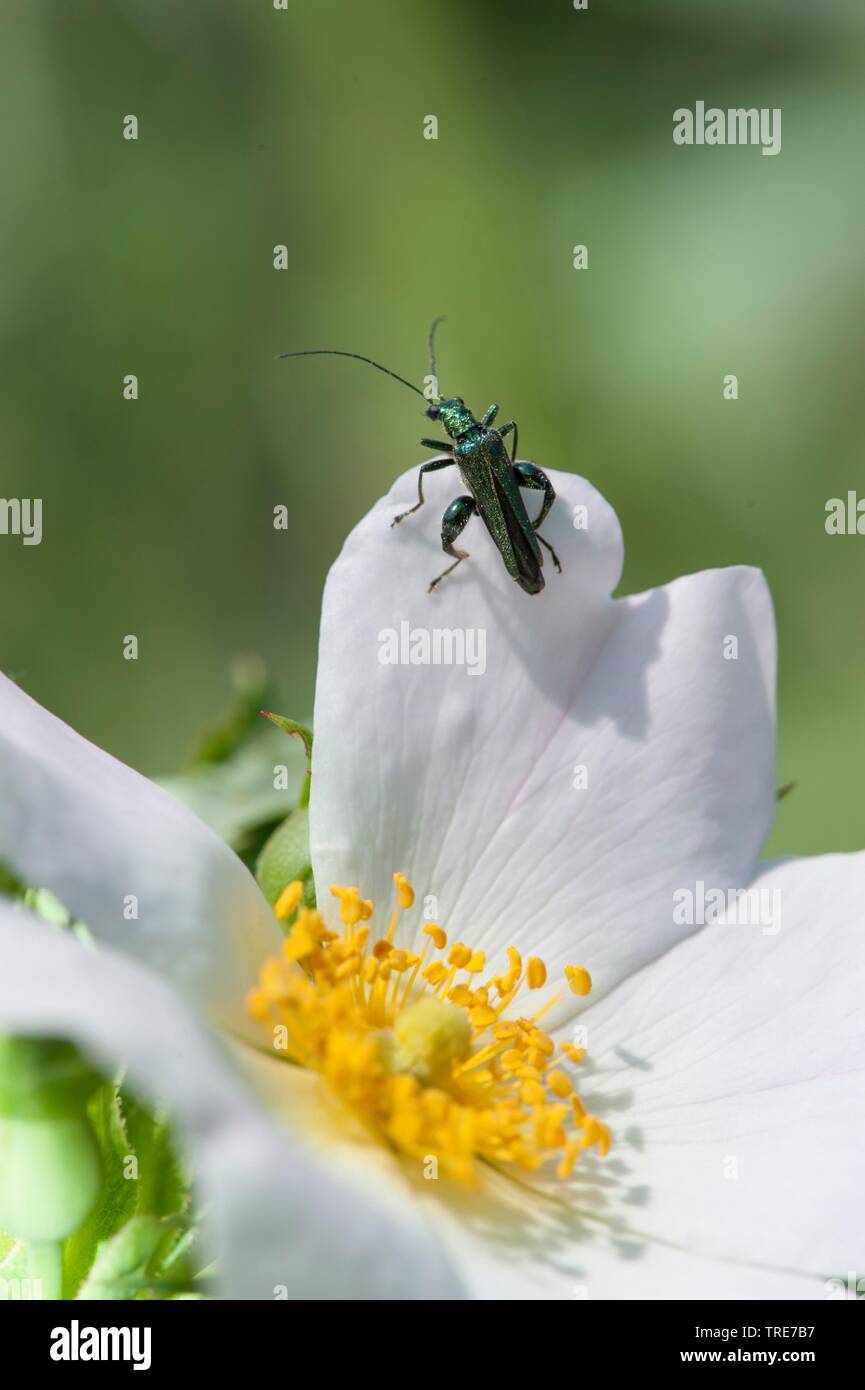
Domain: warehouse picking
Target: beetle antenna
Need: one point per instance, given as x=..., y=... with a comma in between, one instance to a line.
x=431, y=349
x=335, y=352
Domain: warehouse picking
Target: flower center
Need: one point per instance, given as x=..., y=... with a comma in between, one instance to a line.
x=418, y=1045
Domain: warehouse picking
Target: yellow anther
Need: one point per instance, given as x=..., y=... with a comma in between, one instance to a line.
x=381, y=950
x=350, y=966
x=477, y=962
x=536, y=972
x=579, y=979
x=513, y=1059
x=558, y=1083
x=288, y=900
x=575, y=1054
x=578, y=1108
x=462, y=995
x=482, y=1016
x=438, y=935
x=435, y=972
x=595, y=1132
x=505, y=1030
x=516, y=960
x=542, y=1042
x=524, y=1157
x=404, y=891
x=533, y=1093
x=352, y=907
x=460, y=955
x=549, y=1132
x=300, y=942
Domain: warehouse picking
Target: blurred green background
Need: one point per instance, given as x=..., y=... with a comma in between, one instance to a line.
x=304, y=127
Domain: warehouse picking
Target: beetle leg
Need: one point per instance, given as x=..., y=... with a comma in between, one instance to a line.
x=556, y=561
x=455, y=520
x=437, y=444
x=490, y=415
x=506, y=429
x=431, y=466
x=530, y=476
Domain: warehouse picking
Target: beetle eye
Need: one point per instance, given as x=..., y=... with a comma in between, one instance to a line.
x=433, y=411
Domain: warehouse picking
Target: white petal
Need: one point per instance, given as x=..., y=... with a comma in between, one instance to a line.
x=75, y=820
x=279, y=1220
x=506, y=1241
x=466, y=783
x=731, y=1074
x=512, y=1248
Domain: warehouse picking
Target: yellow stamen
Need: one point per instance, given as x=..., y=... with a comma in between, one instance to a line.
x=353, y=908
x=536, y=973
x=288, y=900
x=559, y=1083
x=424, y=1057
x=404, y=891
x=579, y=979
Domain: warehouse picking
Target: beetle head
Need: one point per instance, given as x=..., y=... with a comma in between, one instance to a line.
x=454, y=415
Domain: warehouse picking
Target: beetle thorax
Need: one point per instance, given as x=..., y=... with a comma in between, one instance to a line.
x=456, y=417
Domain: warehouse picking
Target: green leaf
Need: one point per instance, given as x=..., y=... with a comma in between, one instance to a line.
x=143, y=1176
x=131, y=1264
x=118, y=1196
x=163, y=1180
x=236, y=798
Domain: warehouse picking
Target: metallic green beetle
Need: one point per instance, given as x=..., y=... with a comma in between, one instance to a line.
x=492, y=475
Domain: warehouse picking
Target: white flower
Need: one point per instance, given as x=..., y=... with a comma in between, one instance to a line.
x=725, y=1059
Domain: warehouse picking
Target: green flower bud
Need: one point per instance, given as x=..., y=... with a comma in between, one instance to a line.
x=50, y=1171
x=285, y=859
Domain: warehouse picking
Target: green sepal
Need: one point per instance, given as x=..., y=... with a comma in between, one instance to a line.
x=46, y=905
x=285, y=858
x=295, y=730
